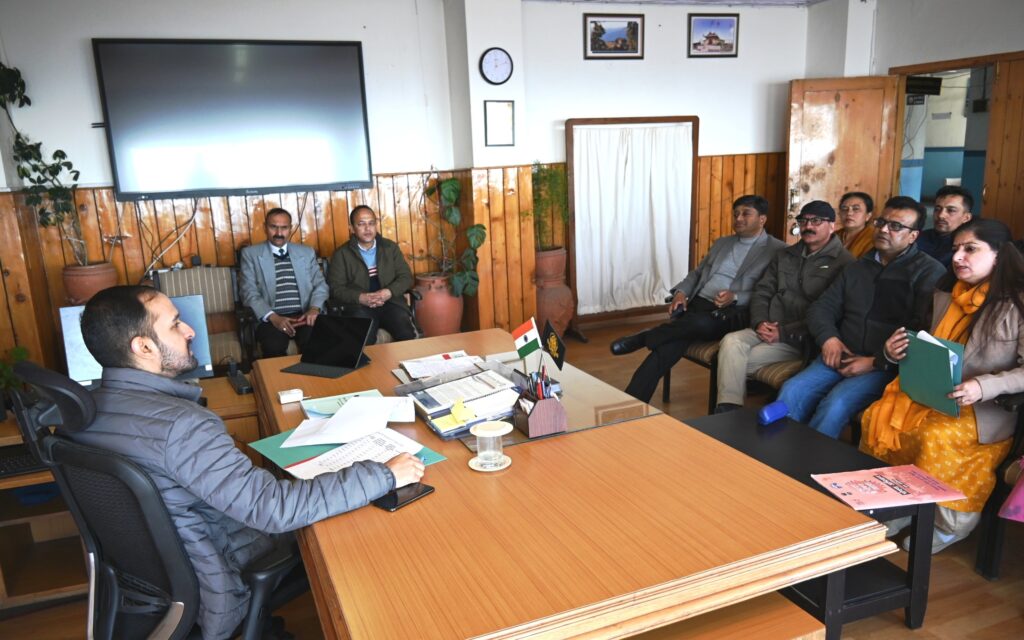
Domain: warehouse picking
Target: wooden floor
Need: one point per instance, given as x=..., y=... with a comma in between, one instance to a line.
x=961, y=604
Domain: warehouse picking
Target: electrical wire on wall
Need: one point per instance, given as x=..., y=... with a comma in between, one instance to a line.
x=181, y=234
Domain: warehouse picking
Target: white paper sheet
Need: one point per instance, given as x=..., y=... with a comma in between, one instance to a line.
x=927, y=337
x=428, y=368
x=380, y=447
x=358, y=417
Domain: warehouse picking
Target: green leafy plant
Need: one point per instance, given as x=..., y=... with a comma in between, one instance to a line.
x=462, y=269
x=50, y=181
x=550, y=203
x=7, y=378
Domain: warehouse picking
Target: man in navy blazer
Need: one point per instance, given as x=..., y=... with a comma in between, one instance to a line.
x=711, y=301
x=283, y=285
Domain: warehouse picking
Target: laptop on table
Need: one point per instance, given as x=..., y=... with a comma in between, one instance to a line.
x=335, y=347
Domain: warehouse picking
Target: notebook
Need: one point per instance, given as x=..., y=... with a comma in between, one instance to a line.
x=335, y=347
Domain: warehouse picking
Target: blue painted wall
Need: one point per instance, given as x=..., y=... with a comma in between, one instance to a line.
x=911, y=172
x=940, y=163
x=974, y=175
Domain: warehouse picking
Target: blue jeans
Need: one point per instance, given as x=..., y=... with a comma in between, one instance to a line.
x=821, y=397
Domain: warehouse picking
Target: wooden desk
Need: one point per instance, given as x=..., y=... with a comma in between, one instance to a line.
x=604, y=533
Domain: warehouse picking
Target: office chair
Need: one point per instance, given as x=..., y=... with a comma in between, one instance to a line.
x=141, y=581
x=412, y=296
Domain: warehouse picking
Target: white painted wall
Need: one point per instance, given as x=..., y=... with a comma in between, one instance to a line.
x=742, y=102
x=826, y=39
x=943, y=131
x=403, y=52
x=860, y=37
x=916, y=31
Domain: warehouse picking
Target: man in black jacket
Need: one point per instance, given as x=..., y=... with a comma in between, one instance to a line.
x=888, y=288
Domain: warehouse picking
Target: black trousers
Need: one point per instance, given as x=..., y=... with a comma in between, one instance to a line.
x=274, y=343
x=396, y=319
x=669, y=341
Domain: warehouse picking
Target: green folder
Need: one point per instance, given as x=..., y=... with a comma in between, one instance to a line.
x=925, y=373
x=287, y=456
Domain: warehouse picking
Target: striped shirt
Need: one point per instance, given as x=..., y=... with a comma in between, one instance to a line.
x=370, y=260
x=286, y=287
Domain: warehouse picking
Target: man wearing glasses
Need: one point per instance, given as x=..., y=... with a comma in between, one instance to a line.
x=711, y=301
x=369, y=277
x=888, y=288
x=952, y=208
x=795, y=277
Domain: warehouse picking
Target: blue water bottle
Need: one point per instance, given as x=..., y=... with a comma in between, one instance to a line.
x=772, y=412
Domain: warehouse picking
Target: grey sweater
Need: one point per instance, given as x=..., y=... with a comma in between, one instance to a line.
x=223, y=506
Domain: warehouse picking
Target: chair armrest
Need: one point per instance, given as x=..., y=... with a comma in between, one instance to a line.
x=270, y=567
x=1011, y=401
x=414, y=294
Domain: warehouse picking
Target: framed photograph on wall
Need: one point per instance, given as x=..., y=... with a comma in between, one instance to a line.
x=613, y=36
x=713, y=35
x=499, y=123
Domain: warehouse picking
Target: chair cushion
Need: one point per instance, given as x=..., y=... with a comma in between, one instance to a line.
x=702, y=352
x=776, y=373
x=1013, y=473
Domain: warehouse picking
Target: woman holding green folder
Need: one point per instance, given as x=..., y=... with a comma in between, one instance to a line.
x=980, y=304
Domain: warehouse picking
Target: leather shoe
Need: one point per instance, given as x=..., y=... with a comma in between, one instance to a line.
x=628, y=344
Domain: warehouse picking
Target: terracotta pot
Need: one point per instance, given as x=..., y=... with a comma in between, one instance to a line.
x=439, y=313
x=83, y=282
x=554, y=297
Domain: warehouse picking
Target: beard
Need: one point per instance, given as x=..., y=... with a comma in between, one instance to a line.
x=174, y=363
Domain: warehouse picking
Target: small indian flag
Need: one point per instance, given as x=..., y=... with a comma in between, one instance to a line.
x=527, y=338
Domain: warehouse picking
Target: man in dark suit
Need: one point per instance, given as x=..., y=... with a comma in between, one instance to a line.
x=711, y=301
x=283, y=285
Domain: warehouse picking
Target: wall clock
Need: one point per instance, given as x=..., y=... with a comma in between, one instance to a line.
x=496, y=65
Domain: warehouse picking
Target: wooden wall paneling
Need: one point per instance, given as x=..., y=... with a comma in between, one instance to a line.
x=241, y=222
x=324, y=220
x=481, y=307
x=700, y=243
x=12, y=263
x=205, y=232
x=499, y=257
x=85, y=202
x=1004, y=172
x=256, y=218
x=339, y=216
x=223, y=236
x=163, y=226
x=513, y=247
x=385, y=208
x=527, y=244
x=776, y=194
x=403, y=215
x=109, y=230
x=750, y=174
x=304, y=216
x=418, y=212
x=130, y=242
x=715, y=200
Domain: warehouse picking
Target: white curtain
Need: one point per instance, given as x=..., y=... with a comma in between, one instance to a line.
x=632, y=214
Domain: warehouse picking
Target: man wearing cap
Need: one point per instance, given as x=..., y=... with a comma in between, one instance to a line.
x=795, y=277
x=888, y=288
x=711, y=301
x=952, y=208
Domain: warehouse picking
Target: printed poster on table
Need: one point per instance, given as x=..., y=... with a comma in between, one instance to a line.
x=886, y=487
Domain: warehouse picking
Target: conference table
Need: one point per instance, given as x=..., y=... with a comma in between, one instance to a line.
x=600, y=533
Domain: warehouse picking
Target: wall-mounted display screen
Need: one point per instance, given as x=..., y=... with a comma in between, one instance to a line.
x=214, y=117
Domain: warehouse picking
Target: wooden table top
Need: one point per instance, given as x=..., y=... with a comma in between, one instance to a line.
x=603, y=533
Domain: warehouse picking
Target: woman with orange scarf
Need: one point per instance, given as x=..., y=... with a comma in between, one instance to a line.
x=982, y=307
x=855, y=209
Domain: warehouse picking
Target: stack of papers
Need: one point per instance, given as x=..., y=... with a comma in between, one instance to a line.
x=440, y=364
x=357, y=417
x=379, y=447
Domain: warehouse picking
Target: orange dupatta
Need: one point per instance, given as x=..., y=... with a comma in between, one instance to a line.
x=895, y=411
x=863, y=242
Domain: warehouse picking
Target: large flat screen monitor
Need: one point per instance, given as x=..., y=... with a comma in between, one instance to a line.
x=84, y=369
x=219, y=117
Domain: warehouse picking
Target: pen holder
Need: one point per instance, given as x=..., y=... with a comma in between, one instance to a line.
x=545, y=418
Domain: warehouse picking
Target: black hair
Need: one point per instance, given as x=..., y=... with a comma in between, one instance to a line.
x=112, y=319
x=277, y=211
x=1006, y=283
x=757, y=202
x=951, y=190
x=869, y=202
x=357, y=209
x=905, y=203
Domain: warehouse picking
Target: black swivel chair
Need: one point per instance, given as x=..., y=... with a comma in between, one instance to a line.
x=992, y=528
x=142, y=584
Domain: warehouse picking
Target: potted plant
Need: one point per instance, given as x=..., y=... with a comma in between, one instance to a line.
x=551, y=208
x=8, y=380
x=50, y=190
x=440, y=309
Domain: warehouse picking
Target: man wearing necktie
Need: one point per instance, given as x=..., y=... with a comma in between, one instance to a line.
x=283, y=285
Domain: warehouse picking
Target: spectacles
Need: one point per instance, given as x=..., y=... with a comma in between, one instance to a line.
x=893, y=225
x=810, y=222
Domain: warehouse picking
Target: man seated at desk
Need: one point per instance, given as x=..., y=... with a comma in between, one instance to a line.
x=369, y=277
x=225, y=508
x=283, y=285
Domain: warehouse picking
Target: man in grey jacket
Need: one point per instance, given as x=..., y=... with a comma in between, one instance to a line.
x=795, y=277
x=225, y=509
x=711, y=301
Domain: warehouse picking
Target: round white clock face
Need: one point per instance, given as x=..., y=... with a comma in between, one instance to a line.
x=496, y=65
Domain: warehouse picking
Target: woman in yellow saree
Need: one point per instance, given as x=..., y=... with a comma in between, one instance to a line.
x=980, y=304
x=855, y=211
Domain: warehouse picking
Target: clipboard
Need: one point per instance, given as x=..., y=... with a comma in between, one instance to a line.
x=925, y=373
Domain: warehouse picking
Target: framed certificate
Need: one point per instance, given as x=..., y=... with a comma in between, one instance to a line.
x=499, y=123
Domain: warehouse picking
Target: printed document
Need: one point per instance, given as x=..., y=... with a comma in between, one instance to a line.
x=358, y=417
x=380, y=447
x=886, y=487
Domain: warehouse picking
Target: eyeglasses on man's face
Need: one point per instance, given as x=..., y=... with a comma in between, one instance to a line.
x=810, y=222
x=893, y=225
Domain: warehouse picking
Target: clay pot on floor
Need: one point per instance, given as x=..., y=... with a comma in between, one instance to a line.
x=83, y=282
x=554, y=297
x=439, y=312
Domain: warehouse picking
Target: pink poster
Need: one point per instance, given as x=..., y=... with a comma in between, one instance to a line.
x=886, y=487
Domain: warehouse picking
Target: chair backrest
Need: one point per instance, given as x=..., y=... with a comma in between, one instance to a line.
x=143, y=579
x=218, y=288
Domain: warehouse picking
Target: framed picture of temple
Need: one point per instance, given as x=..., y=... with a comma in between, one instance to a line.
x=713, y=35
x=613, y=36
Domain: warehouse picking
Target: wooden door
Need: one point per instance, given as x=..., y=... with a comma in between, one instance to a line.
x=1003, y=194
x=842, y=137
